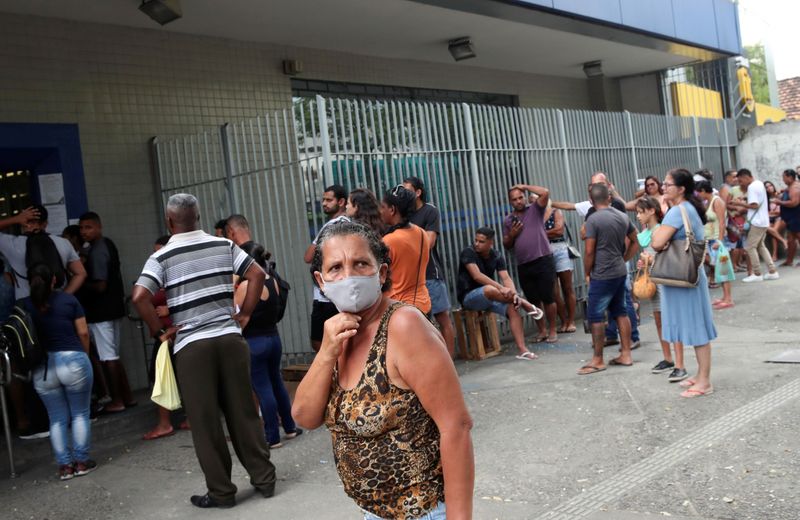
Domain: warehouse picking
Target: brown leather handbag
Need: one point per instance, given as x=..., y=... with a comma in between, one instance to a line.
x=678, y=264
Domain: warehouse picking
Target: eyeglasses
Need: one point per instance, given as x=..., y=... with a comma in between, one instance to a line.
x=397, y=190
x=667, y=184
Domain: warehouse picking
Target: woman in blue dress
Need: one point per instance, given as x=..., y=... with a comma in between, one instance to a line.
x=686, y=315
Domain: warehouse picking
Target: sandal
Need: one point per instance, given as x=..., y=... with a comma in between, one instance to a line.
x=527, y=356
x=552, y=339
x=568, y=330
x=586, y=370
x=153, y=435
x=693, y=392
x=723, y=305
x=687, y=383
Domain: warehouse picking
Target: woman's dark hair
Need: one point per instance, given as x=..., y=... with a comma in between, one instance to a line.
x=402, y=199
x=648, y=202
x=774, y=189
x=704, y=186
x=683, y=179
x=790, y=173
x=345, y=228
x=257, y=252
x=367, y=210
x=40, y=279
x=652, y=178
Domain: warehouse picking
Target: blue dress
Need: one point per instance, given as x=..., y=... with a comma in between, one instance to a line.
x=686, y=314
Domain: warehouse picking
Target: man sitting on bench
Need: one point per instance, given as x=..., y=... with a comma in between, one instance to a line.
x=478, y=291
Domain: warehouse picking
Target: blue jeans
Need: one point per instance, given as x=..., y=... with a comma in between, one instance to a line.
x=611, y=328
x=66, y=393
x=476, y=300
x=438, y=513
x=265, y=372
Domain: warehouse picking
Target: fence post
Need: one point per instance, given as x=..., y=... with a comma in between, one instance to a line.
x=155, y=165
x=562, y=132
x=322, y=119
x=629, y=124
x=227, y=158
x=473, y=162
x=697, y=142
x=726, y=157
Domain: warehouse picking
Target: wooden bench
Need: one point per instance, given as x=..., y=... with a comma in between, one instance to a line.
x=477, y=334
x=292, y=375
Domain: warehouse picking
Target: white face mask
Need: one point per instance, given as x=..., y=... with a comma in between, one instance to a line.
x=354, y=293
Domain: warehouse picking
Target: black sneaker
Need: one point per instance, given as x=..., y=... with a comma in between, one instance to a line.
x=662, y=366
x=678, y=374
x=30, y=434
x=85, y=467
x=206, y=502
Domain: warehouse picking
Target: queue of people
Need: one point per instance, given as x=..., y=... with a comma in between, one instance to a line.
x=380, y=322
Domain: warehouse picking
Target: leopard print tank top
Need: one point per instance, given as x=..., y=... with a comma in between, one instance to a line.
x=385, y=444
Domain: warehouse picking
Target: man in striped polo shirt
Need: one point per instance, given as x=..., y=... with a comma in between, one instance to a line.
x=212, y=360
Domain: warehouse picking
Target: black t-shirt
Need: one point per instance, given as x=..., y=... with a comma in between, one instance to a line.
x=615, y=203
x=427, y=217
x=488, y=266
x=263, y=321
x=102, y=264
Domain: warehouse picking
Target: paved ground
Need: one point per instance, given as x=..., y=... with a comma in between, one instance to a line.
x=619, y=445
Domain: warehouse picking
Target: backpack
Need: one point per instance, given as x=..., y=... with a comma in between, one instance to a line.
x=19, y=339
x=284, y=289
x=40, y=249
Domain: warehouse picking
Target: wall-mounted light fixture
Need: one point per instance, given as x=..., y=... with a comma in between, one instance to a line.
x=292, y=67
x=162, y=11
x=592, y=69
x=461, y=48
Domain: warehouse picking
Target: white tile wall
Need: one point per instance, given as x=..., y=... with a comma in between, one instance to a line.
x=123, y=86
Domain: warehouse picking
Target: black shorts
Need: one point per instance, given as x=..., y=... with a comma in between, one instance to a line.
x=537, y=279
x=320, y=313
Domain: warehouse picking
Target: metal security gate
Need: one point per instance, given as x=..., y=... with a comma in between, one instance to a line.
x=274, y=169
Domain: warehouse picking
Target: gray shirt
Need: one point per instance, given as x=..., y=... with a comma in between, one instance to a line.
x=609, y=227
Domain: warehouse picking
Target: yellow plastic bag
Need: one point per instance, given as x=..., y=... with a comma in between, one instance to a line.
x=165, y=389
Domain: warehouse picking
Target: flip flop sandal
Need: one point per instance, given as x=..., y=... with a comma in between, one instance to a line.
x=552, y=339
x=150, y=436
x=618, y=363
x=590, y=369
x=692, y=393
x=686, y=383
x=527, y=356
x=568, y=330
x=723, y=305
x=539, y=339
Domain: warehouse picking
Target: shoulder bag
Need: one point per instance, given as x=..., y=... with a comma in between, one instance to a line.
x=643, y=287
x=678, y=264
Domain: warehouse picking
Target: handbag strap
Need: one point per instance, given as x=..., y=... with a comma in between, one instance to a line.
x=419, y=264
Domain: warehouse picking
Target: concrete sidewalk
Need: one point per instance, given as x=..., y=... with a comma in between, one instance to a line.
x=617, y=445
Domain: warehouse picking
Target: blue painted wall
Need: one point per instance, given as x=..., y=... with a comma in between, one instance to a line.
x=47, y=148
x=707, y=23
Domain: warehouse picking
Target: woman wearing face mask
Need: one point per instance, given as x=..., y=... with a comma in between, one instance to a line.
x=384, y=385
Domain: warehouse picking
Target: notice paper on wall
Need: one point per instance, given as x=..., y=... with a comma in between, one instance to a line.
x=56, y=218
x=51, y=189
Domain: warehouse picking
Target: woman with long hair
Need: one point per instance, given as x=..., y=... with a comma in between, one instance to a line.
x=266, y=349
x=362, y=206
x=714, y=230
x=686, y=315
x=776, y=225
x=64, y=381
x=652, y=188
x=648, y=213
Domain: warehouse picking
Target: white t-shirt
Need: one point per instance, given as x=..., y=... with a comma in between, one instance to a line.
x=757, y=193
x=317, y=293
x=13, y=249
x=583, y=207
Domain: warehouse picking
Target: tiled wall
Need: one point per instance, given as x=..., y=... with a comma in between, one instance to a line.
x=123, y=86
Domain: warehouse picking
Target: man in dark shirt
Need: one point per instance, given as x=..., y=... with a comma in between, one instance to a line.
x=103, y=299
x=478, y=291
x=427, y=217
x=607, y=250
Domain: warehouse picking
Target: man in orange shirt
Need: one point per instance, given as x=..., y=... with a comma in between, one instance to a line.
x=409, y=249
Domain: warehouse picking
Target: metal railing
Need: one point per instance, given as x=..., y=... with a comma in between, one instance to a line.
x=273, y=169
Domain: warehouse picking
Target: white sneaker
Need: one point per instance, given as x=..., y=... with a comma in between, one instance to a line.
x=753, y=278
x=772, y=276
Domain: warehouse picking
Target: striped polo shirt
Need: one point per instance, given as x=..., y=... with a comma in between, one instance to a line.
x=196, y=270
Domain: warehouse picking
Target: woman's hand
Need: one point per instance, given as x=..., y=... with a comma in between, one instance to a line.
x=337, y=330
x=162, y=311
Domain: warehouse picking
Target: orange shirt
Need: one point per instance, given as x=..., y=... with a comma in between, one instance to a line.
x=409, y=249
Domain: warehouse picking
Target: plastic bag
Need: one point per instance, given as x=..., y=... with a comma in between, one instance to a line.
x=165, y=389
x=724, y=272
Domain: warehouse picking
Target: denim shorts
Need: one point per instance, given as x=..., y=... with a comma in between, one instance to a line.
x=440, y=301
x=438, y=513
x=475, y=300
x=561, y=256
x=606, y=295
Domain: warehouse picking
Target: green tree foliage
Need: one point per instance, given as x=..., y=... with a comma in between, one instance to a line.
x=758, y=71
